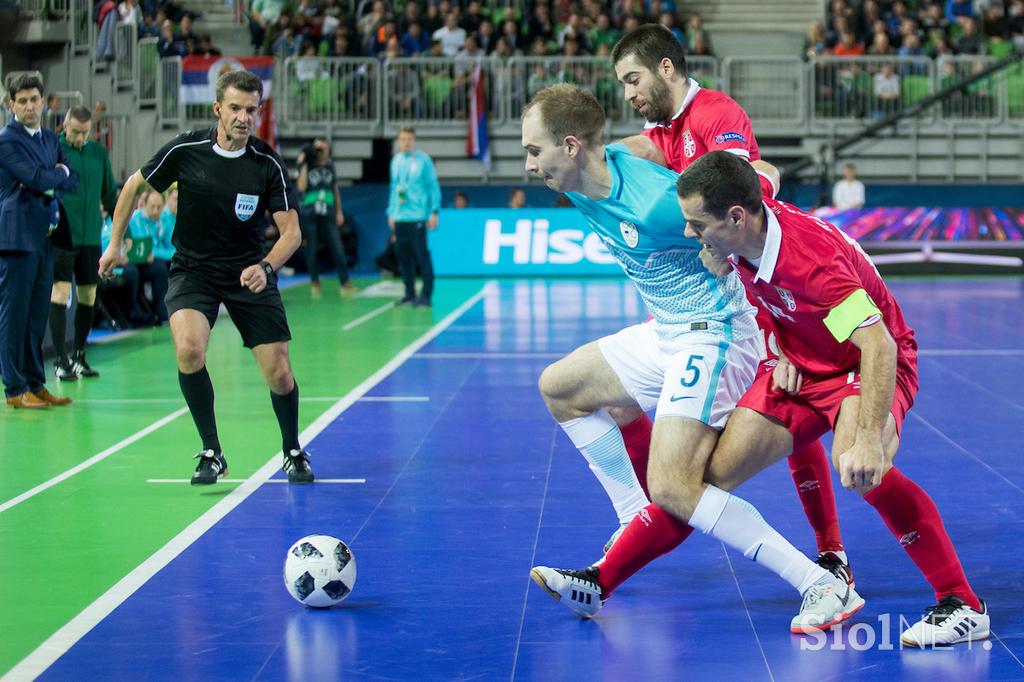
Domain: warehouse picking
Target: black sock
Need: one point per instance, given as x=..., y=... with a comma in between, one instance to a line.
x=198, y=391
x=83, y=323
x=286, y=407
x=58, y=327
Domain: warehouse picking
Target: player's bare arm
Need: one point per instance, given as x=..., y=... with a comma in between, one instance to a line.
x=768, y=170
x=253, y=277
x=643, y=147
x=122, y=212
x=863, y=465
x=786, y=377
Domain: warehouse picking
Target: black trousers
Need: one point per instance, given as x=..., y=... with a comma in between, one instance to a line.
x=313, y=227
x=412, y=251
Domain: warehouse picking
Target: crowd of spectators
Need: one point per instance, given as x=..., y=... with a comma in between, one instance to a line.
x=406, y=29
x=963, y=35
x=166, y=20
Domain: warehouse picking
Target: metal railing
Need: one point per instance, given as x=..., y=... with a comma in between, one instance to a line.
x=82, y=29
x=330, y=90
x=827, y=91
x=147, y=65
x=168, y=92
x=771, y=89
x=438, y=90
x=126, y=54
x=860, y=88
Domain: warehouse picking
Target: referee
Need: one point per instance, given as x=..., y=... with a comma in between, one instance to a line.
x=226, y=180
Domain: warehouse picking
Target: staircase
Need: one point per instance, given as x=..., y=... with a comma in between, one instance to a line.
x=745, y=28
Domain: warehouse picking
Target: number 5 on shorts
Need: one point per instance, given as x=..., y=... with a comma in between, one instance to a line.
x=693, y=371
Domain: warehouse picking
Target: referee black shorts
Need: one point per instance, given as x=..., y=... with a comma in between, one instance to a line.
x=260, y=318
x=80, y=264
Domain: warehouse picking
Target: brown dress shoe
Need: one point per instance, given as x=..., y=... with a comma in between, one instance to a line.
x=27, y=401
x=51, y=399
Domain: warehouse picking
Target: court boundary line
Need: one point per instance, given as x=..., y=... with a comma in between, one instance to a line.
x=95, y=459
x=533, y=556
x=61, y=641
x=367, y=317
x=746, y=609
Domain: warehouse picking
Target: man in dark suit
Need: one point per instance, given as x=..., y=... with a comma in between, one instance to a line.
x=33, y=177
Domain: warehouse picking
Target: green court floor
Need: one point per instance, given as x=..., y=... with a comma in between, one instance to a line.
x=64, y=545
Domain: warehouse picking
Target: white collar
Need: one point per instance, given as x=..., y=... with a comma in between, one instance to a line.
x=690, y=94
x=772, y=244
x=220, y=151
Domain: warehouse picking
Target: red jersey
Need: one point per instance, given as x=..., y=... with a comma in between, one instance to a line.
x=818, y=287
x=708, y=121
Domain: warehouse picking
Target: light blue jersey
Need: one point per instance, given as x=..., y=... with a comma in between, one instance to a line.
x=642, y=226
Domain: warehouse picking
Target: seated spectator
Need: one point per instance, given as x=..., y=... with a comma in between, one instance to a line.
x=510, y=32
x=994, y=23
x=816, y=42
x=451, y=36
x=163, y=248
x=460, y=200
x=933, y=19
x=540, y=24
x=880, y=46
x=848, y=192
x=848, y=47
x=168, y=44
x=149, y=28
x=381, y=37
x=411, y=15
x=205, y=47
x=263, y=14
x=517, y=198
x=115, y=295
x=668, y=20
x=700, y=47
x=694, y=30
x=887, y=90
x=143, y=226
x=473, y=17
x=959, y=9
x=897, y=15
x=485, y=37
x=106, y=16
x=186, y=32
x=285, y=44
x=128, y=12
x=414, y=41
x=603, y=33
x=970, y=41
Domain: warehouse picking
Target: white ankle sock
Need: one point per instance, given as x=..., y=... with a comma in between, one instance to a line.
x=739, y=525
x=598, y=438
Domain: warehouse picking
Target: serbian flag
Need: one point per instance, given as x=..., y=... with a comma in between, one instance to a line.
x=199, y=86
x=478, y=144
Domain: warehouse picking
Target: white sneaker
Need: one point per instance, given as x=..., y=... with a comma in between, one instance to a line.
x=576, y=589
x=826, y=604
x=951, y=621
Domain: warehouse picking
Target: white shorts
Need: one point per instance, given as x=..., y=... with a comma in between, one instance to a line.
x=697, y=378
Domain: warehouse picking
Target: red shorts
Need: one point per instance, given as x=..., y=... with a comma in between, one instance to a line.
x=811, y=413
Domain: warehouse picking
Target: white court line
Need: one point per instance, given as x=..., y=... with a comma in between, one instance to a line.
x=59, y=642
x=98, y=457
x=368, y=316
x=489, y=356
x=974, y=351
x=395, y=399
x=243, y=480
x=304, y=399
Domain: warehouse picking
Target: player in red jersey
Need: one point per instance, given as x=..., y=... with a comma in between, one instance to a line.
x=849, y=364
x=686, y=121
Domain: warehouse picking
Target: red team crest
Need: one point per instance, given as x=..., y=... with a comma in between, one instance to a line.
x=689, y=146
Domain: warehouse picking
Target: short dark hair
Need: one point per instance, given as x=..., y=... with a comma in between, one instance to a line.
x=23, y=80
x=569, y=110
x=240, y=79
x=722, y=180
x=650, y=43
x=80, y=114
x=407, y=129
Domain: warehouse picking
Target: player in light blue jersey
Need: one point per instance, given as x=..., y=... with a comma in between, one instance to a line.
x=691, y=362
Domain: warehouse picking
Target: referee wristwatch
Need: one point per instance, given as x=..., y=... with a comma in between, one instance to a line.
x=268, y=269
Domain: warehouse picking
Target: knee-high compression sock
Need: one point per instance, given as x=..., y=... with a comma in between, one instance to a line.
x=83, y=323
x=637, y=437
x=913, y=518
x=652, y=533
x=286, y=407
x=58, y=328
x=198, y=391
x=598, y=438
x=738, y=524
x=812, y=475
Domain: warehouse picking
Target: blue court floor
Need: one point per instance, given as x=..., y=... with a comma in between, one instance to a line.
x=469, y=483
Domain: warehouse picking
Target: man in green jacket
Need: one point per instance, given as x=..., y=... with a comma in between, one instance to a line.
x=81, y=262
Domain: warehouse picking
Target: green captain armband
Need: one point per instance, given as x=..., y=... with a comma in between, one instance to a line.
x=844, y=319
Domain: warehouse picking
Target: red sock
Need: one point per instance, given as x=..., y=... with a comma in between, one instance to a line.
x=637, y=436
x=812, y=474
x=913, y=518
x=650, y=534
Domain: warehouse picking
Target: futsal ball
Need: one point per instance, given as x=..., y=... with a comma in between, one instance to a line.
x=319, y=571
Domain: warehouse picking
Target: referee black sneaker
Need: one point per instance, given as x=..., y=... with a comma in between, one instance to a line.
x=82, y=367
x=406, y=300
x=296, y=465
x=212, y=466
x=64, y=370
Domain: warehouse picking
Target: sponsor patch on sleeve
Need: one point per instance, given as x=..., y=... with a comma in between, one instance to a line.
x=730, y=137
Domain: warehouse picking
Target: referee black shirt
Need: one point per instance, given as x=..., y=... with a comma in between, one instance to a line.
x=222, y=195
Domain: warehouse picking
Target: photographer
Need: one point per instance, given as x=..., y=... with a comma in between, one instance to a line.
x=321, y=214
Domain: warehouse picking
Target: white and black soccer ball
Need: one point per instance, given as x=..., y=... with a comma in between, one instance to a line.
x=319, y=571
